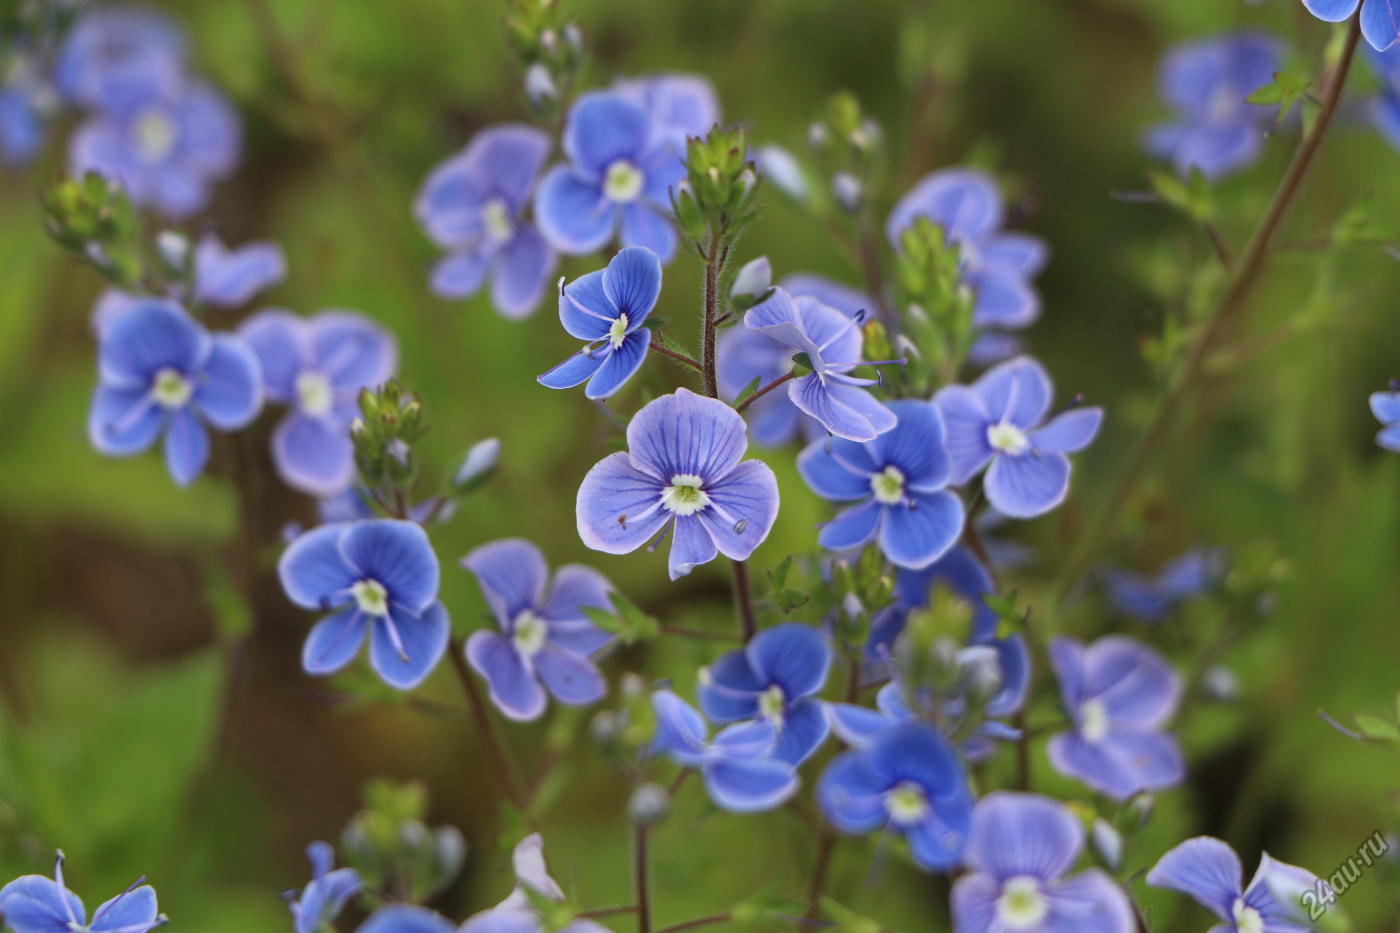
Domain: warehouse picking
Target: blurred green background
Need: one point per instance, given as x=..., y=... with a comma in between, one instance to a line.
x=155, y=719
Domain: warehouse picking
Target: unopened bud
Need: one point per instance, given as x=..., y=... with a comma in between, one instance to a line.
x=782, y=169
x=173, y=248
x=755, y=278
x=648, y=805
x=846, y=189
x=540, y=89
x=1108, y=843
x=480, y=462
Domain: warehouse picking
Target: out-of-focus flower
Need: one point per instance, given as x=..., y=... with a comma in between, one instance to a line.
x=1209, y=871
x=777, y=165
x=1152, y=598
x=229, y=278
x=35, y=904
x=1380, y=19
x=115, y=42
x=680, y=105
x=1386, y=407
x=26, y=104
x=321, y=901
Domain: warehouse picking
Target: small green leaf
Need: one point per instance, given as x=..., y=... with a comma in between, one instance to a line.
x=749, y=390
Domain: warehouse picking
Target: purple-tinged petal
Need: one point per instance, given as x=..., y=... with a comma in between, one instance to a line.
x=1004, y=300
x=805, y=728
x=1027, y=485
x=123, y=422
x=1389, y=438
x=793, y=656
x=281, y=342
x=686, y=434
x=1203, y=868
x=572, y=213
x=574, y=371
x=498, y=919
x=852, y=528
x=1015, y=252
x=1069, y=432
x=573, y=679
x=974, y=903
x=964, y=202
x=313, y=455
x=313, y=569
x=129, y=912
x=691, y=546
x=845, y=411
x=919, y=533
x=186, y=446
x=228, y=278
x=619, y=365
x=1067, y=660
x=1385, y=406
x=680, y=729
x=743, y=507
x=575, y=587
x=459, y=275
x=965, y=421
x=230, y=393
x=646, y=227
x=1275, y=892
x=602, y=128
x=1018, y=391
x=1090, y=900
x=333, y=642
x=750, y=785
x=1154, y=757
x=523, y=269
x=585, y=310
x=407, y=918
x=397, y=554
x=514, y=689
x=777, y=317
x=619, y=507
x=351, y=350
x=1023, y=834
x=1134, y=683
x=1095, y=764
x=843, y=298
x=632, y=283
x=838, y=470
x=512, y=573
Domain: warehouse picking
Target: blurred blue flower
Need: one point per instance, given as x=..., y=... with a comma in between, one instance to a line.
x=380, y=575
x=516, y=914
x=619, y=175
x=780, y=167
x=1153, y=598
x=1020, y=848
x=317, y=367
x=908, y=781
x=115, y=41
x=776, y=677
x=1385, y=106
x=229, y=278
x=899, y=479
x=159, y=372
x=1380, y=19
x=26, y=103
x=321, y=901
x=681, y=471
x=1118, y=694
x=1207, y=82
x=35, y=904
x=166, y=145
x=473, y=205
x=1386, y=407
x=545, y=634
x=740, y=771
x=832, y=343
x=860, y=726
x=996, y=265
x=608, y=309
x=680, y=105
x=1209, y=871
x=1000, y=420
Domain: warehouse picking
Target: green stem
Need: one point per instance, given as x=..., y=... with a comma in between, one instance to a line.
x=639, y=873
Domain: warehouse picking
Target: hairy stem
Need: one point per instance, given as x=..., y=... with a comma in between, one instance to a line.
x=1245, y=275
x=679, y=357
x=505, y=764
x=743, y=599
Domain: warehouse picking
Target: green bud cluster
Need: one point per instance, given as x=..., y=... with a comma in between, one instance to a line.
x=390, y=422
x=938, y=305
x=549, y=48
x=394, y=851
x=849, y=149
x=718, y=197
x=94, y=218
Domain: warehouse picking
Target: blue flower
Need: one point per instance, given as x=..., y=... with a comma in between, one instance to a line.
x=898, y=479
x=326, y=895
x=833, y=344
x=229, y=278
x=996, y=265
x=1380, y=19
x=1118, y=694
x=1000, y=420
x=1385, y=106
x=608, y=308
x=110, y=42
x=35, y=904
x=1210, y=871
x=545, y=634
x=473, y=206
x=317, y=366
x=26, y=102
x=860, y=726
x=516, y=914
x=680, y=105
x=907, y=781
x=1215, y=130
x=165, y=144
x=1019, y=851
x=1153, y=598
x=380, y=575
x=160, y=372
x=1386, y=407
x=741, y=773
x=410, y=918
x=682, y=470
x=775, y=678
x=619, y=176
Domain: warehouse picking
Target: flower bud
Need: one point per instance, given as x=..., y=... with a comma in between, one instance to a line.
x=174, y=249
x=847, y=191
x=540, y=89
x=479, y=464
x=1108, y=843
x=753, y=280
x=648, y=805
x=782, y=169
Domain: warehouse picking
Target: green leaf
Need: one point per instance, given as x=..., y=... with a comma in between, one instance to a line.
x=1376, y=728
x=628, y=622
x=847, y=920
x=749, y=390
x=1191, y=196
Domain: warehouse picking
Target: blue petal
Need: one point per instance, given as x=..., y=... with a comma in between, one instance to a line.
x=1380, y=23
x=35, y=904
x=1004, y=300
x=351, y=350
x=832, y=294
x=845, y=411
x=1023, y=834
x=793, y=656
x=1389, y=438
x=836, y=469
x=152, y=336
x=129, y=911
x=917, y=534
x=916, y=753
x=755, y=738
x=585, y=309
x=575, y=370
x=1153, y=757
x=743, y=507
x=230, y=394
x=619, y=507
x=729, y=688
x=1385, y=116
x=852, y=528
x=423, y=639
x=1135, y=684
x=936, y=842
x=460, y=274
x=314, y=455
x=632, y=283
x=397, y=554
x=575, y=587
x=646, y=227
x=1027, y=485
x=691, y=546
x=1216, y=150
x=228, y=278
x=1094, y=764
x=777, y=317
x=1332, y=11
x=966, y=421
x=500, y=920
x=805, y=728
x=281, y=342
x=686, y=434
x=964, y=202
x=512, y=573
x=572, y=678
x=333, y=642
x=680, y=105
x=1203, y=868
x=514, y=689
x=523, y=268
x=572, y=213
x=1015, y=252
x=1018, y=391
x=619, y=365
x=186, y=446
x=313, y=569
x=1067, y=660
x=122, y=422
x=852, y=795
x=915, y=446
x=680, y=730
x=406, y=918
x=974, y=902
x=602, y=128
x=1089, y=897
x=750, y=785
x=1275, y=890
x=857, y=726
x=1069, y=432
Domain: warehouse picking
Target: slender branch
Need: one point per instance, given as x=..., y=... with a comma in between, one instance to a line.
x=1244, y=276
x=743, y=598
x=1023, y=753
x=510, y=774
x=870, y=264
x=690, y=361
x=764, y=391
x=682, y=632
x=639, y=873
x=696, y=923
x=607, y=911
x=713, y=265
x=826, y=847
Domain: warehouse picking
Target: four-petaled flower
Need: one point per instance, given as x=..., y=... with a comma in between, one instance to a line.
x=996, y=265
x=832, y=343
x=619, y=175
x=1000, y=420
x=473, y=205
x=682, y=469
x=159, y=370
x=1210, y=871
x=1216, y=129
x=1380, y=19
x=899, y=478
x=908, y=781
x=740, y=771
x=35, y=904
x=317, y=366
x=608, y=308
x=321, y=901
x=1118, y=694
x=544, y=635
x=1019, y=849
x=380, y=575
x=680, y=105
x=775, y=678
x=1386, y=407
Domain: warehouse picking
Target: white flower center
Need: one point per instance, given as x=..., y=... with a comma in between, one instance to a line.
x=530, y=633
x=1021, y=905
x=1008, y=438
x=170, y=389
x=618, y=331
x=623, y=181
x=496, y=217
x=371, y=597
x=314, y=393
x=153, y=134
x=888, y=485
x=906, y=804
x=771, y=703
x=684, y=496
x=1093, y=720
x=1247, y=919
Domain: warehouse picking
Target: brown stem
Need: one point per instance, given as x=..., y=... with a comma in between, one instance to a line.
x=826, y=846
x=682, y=632
x=1244, y=277
x=505, y=765
x=743, y=598
x=713, y=265
x=690, y=361
x=764, y=391
x=696, y=923
x=639, y=872
x=607, y=911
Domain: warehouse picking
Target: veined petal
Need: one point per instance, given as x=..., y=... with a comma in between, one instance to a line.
x=1332, y=11
x=459, y=274
x=1203, y=868
x=1023, y=834
x=1094, y=764
x=855, y=725
x=1134, y=683
x=1018, y=391
x=647, y=227
x=313, y=569
x=1015, y=252
x=228, y=278
x=729, y=688
x=314, y=455
x=602, y=128
x=186, y=446
x=281, y=342
x=619, y=507
x=838, y=470
x=845, y=411
x=423, y=639
x=1090, y=897
x=680, y=729
x=619, y=365
x=128, y=911
x=793, y=656
x=572, y=213
x=31, y=903
x=1069, y=432
x=572, y=678
x=574, y=371
x=512, y=573
x=686, y=434
x=122, y=422
x=397, y=554
x=407, y=918
x=743, y=507
x=750, y=785
x=852, y=795
x=152, y=336
x=805, y=728
x=351, y=350
x=1380, y=23
x=915, y=446
x=1027, y=485
x=853, y=527
x=918, y=533
x=691, y=546
x=231, y=393
x=964, y=202
x=632, y=283
x=333, y=642
x=514, y=689
x=523, y=268
x=965, y=422
x=1004, y=300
